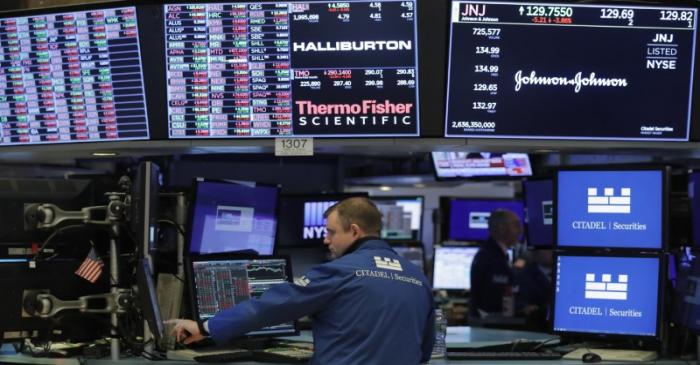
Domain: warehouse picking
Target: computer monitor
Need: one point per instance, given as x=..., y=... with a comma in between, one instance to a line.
x=304, y=258
x=313, y=68
x=466, y=219
x=533, y=69
x=413, y=252
x=694, y=196
x=144, y=205
x=222, y=281
x=539, y=201
x=622, y=208
x=57, y=277
x=231, y=216
x=452, y=267
x=71, y=74
x=608, y=295
x=455, y=165
x=148, y=299
x=402, y=217
x=301, y=221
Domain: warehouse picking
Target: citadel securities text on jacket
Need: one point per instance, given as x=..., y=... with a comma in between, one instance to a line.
x=369, y=306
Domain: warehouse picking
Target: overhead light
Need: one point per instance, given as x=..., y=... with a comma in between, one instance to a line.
x=385, y=188
x=104, y=154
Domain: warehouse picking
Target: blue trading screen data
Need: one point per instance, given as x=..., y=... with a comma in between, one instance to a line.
x=71, y=77
x=607, y=295
x=311, y=68
x=526, y=69
x=615, y=209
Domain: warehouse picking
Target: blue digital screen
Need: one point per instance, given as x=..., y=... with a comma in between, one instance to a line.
x=540, y=212
x=469, y=218
x=232, y=217
x=622, y=209
x=607, y=295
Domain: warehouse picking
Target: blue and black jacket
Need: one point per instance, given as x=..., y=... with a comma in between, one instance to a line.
x=369, y=306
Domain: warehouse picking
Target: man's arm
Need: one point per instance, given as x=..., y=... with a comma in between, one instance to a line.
x=428, y=338
x=279, y=304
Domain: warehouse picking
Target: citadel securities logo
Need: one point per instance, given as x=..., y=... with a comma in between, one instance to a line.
x=365, y=113
x=609, y=203
x=387, y=263
x=606, y=289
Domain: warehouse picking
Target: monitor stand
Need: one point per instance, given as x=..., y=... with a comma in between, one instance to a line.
x=613, y=354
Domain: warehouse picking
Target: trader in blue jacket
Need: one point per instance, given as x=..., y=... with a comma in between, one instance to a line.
x=368, y=305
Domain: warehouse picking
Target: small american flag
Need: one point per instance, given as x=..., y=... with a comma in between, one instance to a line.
x=91, y=268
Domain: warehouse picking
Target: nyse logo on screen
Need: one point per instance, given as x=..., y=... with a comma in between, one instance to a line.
x=314, y=222
x=606, y=289
x=609, y=202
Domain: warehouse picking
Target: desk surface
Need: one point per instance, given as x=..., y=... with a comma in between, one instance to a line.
x=456, y=337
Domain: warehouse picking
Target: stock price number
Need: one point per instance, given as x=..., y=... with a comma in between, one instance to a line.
x=677, y=16
x=486, y=69
x=493, y=88
x=486, y=32
x=482, y=105
x=624, y=14
x=474, y=125
x=488, y=50
x=553, y=11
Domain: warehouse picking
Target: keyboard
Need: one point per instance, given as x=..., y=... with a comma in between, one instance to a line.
x=209, y=355
x=503, y=355
x=283, y=355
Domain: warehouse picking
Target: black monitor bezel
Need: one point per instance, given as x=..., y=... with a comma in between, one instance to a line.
x=479, y=177
x=665, y=185
x=193, y=204
x=189, y=276
x=445, y=209
x=649, y=341
x=526, y=226
x=432, y=272
x=148, y=299
x=404, y=197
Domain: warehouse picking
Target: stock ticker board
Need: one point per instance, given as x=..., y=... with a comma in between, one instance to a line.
x=531, y=70
x=323, y=69
x=71, y=77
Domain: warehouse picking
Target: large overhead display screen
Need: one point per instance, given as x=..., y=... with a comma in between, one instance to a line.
x=570, y=71
x=71, y=77
x=292, y=69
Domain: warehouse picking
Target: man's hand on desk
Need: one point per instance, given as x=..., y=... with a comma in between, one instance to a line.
x=185, y=330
